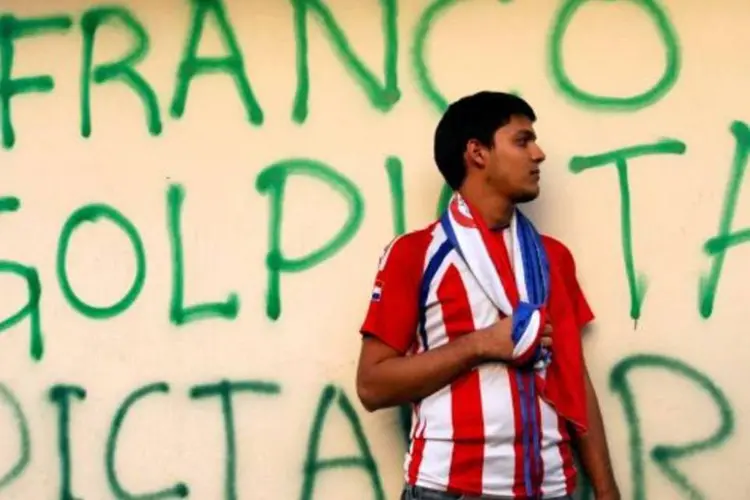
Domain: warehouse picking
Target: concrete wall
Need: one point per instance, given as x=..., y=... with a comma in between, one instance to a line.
x=189, y=245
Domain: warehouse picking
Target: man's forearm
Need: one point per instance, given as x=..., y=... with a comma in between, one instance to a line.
x=399, y=380
x=594, y=452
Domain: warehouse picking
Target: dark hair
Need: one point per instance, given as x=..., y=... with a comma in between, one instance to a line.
x=476, y=116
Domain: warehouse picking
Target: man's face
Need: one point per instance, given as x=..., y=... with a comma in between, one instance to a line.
x=512, y=166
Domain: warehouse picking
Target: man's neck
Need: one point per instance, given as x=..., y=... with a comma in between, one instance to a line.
x=496, y=211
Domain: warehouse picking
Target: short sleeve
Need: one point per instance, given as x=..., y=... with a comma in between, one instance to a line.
x=581, y=307
x=567, y=265
x=393, y=313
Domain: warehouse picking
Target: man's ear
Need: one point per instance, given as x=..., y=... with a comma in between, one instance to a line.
x=475, y=153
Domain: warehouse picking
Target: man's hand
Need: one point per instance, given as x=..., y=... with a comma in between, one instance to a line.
x=495, y=343
x=547, y=335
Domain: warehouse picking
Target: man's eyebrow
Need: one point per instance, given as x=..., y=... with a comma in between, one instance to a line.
x=526, y=134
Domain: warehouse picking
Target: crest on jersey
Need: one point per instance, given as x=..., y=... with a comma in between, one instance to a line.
x=377, y=291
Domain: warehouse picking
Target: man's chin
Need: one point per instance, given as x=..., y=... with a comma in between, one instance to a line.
x=527, y=196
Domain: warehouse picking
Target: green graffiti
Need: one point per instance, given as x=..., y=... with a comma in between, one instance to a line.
x=663, y=455
x=273, y=180
x=232, y=64
x=61, y=395
x=718, y=246
x=382, y=97
x=34, y=286
x=179, y=490
x=445, y=197
x=395, y=170
x=178, y=313
x=422, y=73
x=122, y=70
x=315, y=465
x=224, y=390
x=12, y=29
x=19, y=416
x=425, y=82
x=92, y=213
x=646, y=98
x=637, y=283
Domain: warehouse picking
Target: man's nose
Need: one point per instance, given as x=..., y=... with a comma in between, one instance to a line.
x=537, y=154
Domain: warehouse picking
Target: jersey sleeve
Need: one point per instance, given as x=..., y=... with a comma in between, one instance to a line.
x=393, y=313
x=581, y=307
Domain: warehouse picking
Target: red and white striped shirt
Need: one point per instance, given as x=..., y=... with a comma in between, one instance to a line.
x=487, y=433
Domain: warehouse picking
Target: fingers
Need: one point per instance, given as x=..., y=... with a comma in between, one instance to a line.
x=546, y=339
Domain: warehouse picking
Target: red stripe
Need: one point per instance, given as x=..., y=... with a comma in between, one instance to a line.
x=519, y=488
x=417, y=452
x=467, y=462
x=566, y=454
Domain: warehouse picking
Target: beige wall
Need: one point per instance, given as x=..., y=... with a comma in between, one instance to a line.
x=672, y=384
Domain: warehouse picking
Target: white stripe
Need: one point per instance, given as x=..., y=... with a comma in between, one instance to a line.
x=499, y=430
x=435, y=410
x=436, y=463
x=553, y=484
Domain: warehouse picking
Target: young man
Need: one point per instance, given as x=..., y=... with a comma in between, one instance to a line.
x=476, y=319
